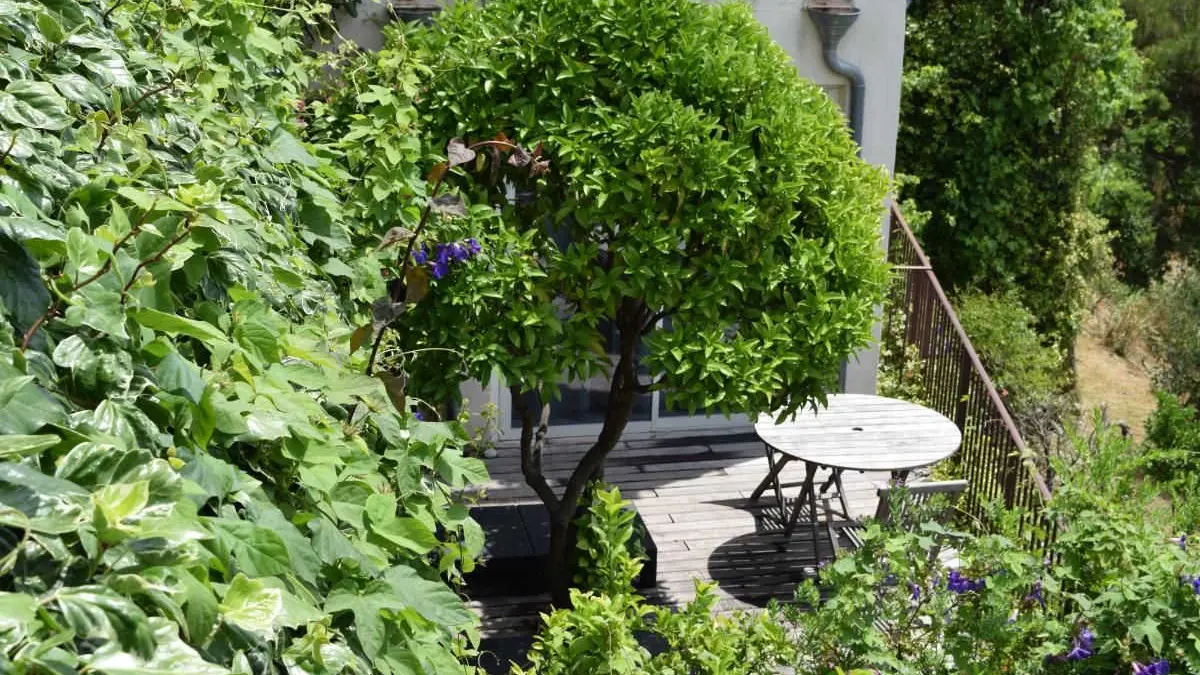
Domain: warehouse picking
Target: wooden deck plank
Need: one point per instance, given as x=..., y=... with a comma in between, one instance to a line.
x=693, y=498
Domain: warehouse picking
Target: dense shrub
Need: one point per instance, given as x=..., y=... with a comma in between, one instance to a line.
x=1175, y=341
x=605, y=629
x=1173, y=434
x=1016, y=94
x=1029, y=373
x=1151, y=170
x=195, y=477
x=699, y=200
x=1112, y=591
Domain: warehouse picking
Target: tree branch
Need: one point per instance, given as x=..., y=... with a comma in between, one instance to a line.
x=187, y=229
x=53, y=308
x=531, y=450
x=621, y=395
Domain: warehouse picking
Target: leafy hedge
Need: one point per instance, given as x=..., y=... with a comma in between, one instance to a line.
x=195, y=476
x=1017, y=94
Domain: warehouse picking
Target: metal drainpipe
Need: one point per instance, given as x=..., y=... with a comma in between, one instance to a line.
x=832, y=24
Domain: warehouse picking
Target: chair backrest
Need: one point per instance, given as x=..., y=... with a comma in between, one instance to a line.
x=918, y=495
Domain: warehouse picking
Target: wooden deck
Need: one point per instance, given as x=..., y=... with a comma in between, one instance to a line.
x=691, y=491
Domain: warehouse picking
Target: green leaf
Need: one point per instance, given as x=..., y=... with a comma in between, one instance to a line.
x=78, y=89
x=460, y=471
x=26, y=103
x=121, y=501
x=50, y=29
x=215, y=476
x=19, y=446
x=200, y=608
x=431, y=599
x=1147, y=631
x=305, y=563
x=21, y=289
x=256, y=551
x=365, y=604
x=177, y=375
x=98, y=612
x=171, y=656
x=39, y=502
x=285, y=149
x=173, y=324
x=252, y=605
x=99, y=308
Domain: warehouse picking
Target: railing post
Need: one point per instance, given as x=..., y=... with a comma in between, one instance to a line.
x=963, y=392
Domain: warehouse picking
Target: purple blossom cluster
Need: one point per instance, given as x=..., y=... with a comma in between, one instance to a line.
x=1159, y=667
x=1081, y=646
x=1192, y=581
x=958, y=583
x=441, y=256
x=1037, y=594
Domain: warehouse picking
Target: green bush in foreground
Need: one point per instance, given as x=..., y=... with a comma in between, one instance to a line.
x=195, y=477
x=600, y=634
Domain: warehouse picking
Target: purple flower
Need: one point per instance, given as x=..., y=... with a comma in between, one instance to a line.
x=1081, y=646
x=1159, y=667
x=440, y=268
x=442, y=253
x=1193, y=581
x=916, y=592
x=459, y=252
x=420, y=416
x=473, y=246
x=1036, y=594
x=1182, y=541
x=420, y=255
x=960, y=584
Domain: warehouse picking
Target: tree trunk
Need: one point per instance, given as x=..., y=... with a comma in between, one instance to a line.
x=564, y=510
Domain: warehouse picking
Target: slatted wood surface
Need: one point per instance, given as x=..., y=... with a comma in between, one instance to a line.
x=691, y=491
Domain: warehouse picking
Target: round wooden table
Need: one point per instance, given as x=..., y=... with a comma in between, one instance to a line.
x=855, y=432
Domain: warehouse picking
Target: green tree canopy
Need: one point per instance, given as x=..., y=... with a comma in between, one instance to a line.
x=1004, y=101
x=699, y=195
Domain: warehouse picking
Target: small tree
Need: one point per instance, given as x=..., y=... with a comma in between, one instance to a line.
x=699, y=195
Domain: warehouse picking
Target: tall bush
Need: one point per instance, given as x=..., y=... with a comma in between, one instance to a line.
x=195, y=477
x=697, y=196
x=1015, y=96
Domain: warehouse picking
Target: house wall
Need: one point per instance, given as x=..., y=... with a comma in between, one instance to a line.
x=876, y=45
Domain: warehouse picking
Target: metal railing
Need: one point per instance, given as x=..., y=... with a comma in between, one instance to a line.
x=925, y=345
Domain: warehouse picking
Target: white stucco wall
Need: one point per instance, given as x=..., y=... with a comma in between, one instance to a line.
x=875, y=43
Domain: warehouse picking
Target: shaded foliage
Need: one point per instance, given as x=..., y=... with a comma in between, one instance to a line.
x=1016, y=96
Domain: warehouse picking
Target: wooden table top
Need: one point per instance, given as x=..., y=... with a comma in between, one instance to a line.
x=860, y=432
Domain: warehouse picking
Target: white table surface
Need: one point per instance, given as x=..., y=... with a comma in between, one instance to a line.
x=860, y=432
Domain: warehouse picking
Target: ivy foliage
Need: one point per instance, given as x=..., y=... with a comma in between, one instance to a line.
x=1003, y=106
x=698, y=195
x=195, y=477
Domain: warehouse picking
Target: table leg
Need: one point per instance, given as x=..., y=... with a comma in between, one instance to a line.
x=808, y=493
x=842, y=496
x=772, y=478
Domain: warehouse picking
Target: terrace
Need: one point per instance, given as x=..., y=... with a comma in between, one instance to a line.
x=692, y=491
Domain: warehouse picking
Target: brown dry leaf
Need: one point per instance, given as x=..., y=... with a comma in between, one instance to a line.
x=416, y=280
x=360, y=336
x=458, y=153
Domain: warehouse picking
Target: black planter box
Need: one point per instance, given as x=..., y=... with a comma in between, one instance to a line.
x=516, y=543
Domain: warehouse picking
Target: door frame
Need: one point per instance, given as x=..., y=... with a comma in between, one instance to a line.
x=739, y=422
